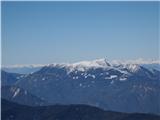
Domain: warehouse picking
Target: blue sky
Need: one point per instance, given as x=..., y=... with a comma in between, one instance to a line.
x=48, y=32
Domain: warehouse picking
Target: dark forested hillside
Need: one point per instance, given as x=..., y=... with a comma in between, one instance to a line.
x=13, y=111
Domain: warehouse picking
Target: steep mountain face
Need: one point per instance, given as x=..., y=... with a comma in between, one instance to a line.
x=152, y=66
x=18, y=95
x=12, y=111
x=9, y=78
x=117, y=87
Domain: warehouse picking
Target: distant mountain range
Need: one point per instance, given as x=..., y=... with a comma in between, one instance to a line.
x=26, y=69
x=110, y=86
x=22, y=69
x=13, y=111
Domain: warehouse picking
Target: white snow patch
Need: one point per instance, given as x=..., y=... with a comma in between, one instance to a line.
x=16, y=92
x=122, y=71
x=123, y=79
x=111, y=77
x=21, y=76
x=75, y=77
x=93, y=76
x=82, y=73
x=89, y=75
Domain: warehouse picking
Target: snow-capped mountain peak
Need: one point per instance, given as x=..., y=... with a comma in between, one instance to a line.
x=98, y=63
x=84, y=65
x=131, y=65
x=95, y=63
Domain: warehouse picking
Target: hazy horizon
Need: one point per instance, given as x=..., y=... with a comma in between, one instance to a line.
x=120, y=61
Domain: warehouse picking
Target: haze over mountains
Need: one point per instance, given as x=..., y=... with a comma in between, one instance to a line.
x=116, y=86
x=26, y=69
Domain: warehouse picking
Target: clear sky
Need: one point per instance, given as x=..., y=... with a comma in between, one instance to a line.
x=48, y=32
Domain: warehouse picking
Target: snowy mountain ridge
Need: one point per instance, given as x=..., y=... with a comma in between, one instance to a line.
x=98, y=63
x=132, y=65
x=84, y=65
x=101, y=61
